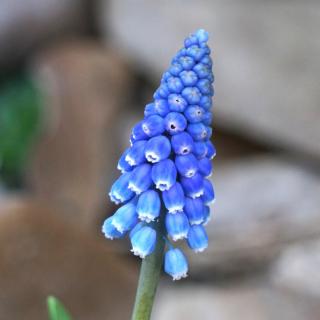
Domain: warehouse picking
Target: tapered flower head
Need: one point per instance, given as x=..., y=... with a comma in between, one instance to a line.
x=165, y=170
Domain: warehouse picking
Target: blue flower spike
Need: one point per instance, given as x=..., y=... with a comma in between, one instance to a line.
x=165, y=172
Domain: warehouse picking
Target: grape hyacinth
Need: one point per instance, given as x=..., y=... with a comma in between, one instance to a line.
x=165, y=171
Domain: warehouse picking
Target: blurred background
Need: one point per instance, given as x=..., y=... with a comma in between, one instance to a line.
x=75, y=76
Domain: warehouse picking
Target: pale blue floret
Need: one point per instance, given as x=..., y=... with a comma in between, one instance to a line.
x=125, y=218
x=191, y=40
x=160, y=107
x=187, y=165
x=194, y=114
x=198, y=131
x=202, y=35
x=175, y=264
x=175, y=122
x=194, y=209
x=162, y=92
x=188, y=78
x=164, y=174
x=193, y=187
x=148, y=206
x=175, y=85
x=202, y=70
x=137, y=227
x=135, y=155
x=182, y=143
x=110, y=231
x=205, y=102
x=138, y=133
x=205, y=87
x=186, y=62
x=123, y=165
x=177, y=102
x=205, y=167
x=119, y=191
x=173, y=198
x=175, y=68
x=195, y=52
x=140, y=178
x=197, y=238
x=191, y=94
x=177, y=225
x=143, y=241
x=208, y=192
x=157, y=149
x=153, y=126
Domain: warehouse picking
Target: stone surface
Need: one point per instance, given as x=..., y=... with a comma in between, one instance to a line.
x=74, y=163
x=25, y=25
x=297, y=270
x=266, y=59
x=42, y=254
x=263, y=204
x=253, y=300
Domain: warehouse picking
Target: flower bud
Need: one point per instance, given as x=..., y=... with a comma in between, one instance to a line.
x=174, y=198
x=157, y=149
x=197, y=238
x=164, y=174
x=175, y=264
x=177, y=225
x=143, y=242
x=148, y=207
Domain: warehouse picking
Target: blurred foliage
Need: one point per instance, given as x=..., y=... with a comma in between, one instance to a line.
x=56, y=309
x=19, y=123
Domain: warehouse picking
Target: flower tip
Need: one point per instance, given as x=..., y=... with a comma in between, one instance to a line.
x=202, y=35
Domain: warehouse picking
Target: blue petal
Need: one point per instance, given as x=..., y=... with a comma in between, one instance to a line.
x=153, y=125
x=109, y=230
x=175, y=122
x=191, y=40
x=198, y=131
x=157, y=149
x=205, y=102
x=135, y=155
x=177, y=102
x=162, y=92
x=175, y=264
x=211, y=153
x=202, y=70
x=196, y=52
x=138, y=133
x=160, y=107
x=197, y=238
x=164, y=174
x=208, y=192
x=205, y=87
x=207, y=60
x=182, y=143
x=177, y=225
x=148, y=207
x=205, y=167
x=140, y=179
x=186, y=62
x=194, y=209
x=174, y=198
x=193, y=187
x=194, y=114
x=189, y=78
x=125, y=218
x=143, y=241
x=191, y=94
x=202, y=35
x=119, y=191
x=175, y=85
x=200, y=149
x=123, y=165
x=136, y=228
x=175, y=68
x=187, y=165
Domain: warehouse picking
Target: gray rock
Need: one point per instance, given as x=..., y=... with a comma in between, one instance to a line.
x=74, y=162
x=263, y=204
x=266, y=59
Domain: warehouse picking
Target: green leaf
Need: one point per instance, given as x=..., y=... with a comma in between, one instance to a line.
x=56, y=309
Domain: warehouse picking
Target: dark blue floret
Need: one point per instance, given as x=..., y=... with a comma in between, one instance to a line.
x=165, y=171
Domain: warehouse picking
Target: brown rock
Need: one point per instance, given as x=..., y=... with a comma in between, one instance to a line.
x=84, y=88
x=41, y=254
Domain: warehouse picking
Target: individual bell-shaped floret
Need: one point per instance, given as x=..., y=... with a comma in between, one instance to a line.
x=123, y=165
x=195, y=211
x=187, y=165
x=175, y=264
x=202, y=35
x=200, y=149
x=202, y=70
x=208, y=192
x=109, y=229
x=175, y=85
x=174, y=198
x=137, y=227
x=191, y=94
x=125, y=218
x=205, y=167
x=153, y=125
x=177, y=225
x=157, y=149
x=211, y=153
x=194, y=113
x=189, y=78
x=196, y=52
x=143, y=241
x=159, y=106
x=193, y=187
x=140, y=178
x=138, y=133
x=207, y=118
x=175, y=68
x=176, y=102
x=182, y=143
x=164, y=174
x=198, y=131
x=186, y=62
x=135, y=155
x=205, y=87
x=162, y=92
x=175, y=122
x=148, y=206
x=205, y=102
x=119, y=191
x=197, y=238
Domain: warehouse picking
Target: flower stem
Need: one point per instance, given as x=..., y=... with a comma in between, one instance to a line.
x=149, y=278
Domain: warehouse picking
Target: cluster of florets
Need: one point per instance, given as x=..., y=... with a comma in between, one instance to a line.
x=165, y=171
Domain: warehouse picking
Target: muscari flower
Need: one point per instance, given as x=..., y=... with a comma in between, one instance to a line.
x=165, y=170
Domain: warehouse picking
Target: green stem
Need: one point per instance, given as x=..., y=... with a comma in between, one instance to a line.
x=149, y=278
